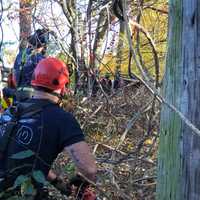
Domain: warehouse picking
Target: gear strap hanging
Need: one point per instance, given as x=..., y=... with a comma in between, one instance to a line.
x=21, y=110
x=21, y=68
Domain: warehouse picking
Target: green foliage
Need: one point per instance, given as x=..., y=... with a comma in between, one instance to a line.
x=62, y=56
x=27, y=188
x=70, y=169
x=20, y=180
x=23, y=154
x=154, y=22
x=24, y=184
x=39, y=177
x=15, y=198
x=1, y=195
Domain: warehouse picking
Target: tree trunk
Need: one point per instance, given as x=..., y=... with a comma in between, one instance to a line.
x=120, y=47
x=179, y=148
x=102, y=27
x=25, y=20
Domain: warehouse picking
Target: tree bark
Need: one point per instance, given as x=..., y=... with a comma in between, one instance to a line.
x=179, y=148
x=120, y=47
x=25, y=20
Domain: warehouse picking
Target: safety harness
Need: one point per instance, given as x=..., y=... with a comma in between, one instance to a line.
x=9, y=120
x=8, y=123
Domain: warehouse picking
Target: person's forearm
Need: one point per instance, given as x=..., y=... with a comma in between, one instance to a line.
x=85, y=165
x=83, y=160
x=91, y=176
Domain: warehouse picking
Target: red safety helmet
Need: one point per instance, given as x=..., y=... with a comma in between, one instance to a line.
x=51, y=73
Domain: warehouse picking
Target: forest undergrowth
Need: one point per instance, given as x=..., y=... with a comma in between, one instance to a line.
x=122, y=130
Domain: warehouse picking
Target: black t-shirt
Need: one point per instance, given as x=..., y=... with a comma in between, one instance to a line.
x=46, y=134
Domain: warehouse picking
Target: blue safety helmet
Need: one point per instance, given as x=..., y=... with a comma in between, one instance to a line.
x=40, y=38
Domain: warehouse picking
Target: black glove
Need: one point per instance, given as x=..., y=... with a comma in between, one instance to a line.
x=64, y=188
x=81, y=185
x=79, y=181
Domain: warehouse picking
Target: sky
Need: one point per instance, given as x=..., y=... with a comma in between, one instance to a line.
x=10, y=23
x=45, y=13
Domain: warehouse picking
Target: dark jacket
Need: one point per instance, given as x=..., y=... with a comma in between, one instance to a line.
x=24, y=66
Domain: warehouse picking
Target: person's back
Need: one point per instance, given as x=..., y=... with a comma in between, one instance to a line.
x=44, y=135
x=26, y=61
x=45, y=129
x=29, y=66
x=20, y=60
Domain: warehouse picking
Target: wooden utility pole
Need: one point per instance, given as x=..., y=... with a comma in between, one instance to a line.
x=179, y=148
x=25, y=19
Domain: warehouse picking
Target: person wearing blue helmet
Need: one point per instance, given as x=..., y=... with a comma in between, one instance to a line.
x=27, y=60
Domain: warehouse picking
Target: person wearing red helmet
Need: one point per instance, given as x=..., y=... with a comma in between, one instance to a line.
x=45, y=129
x=52, y=75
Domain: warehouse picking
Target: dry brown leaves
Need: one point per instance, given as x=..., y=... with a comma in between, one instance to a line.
x=122, y=131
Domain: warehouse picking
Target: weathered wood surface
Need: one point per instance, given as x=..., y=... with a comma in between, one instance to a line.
x=179, y=150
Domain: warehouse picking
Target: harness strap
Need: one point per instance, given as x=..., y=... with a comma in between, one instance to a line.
x=21, y=68
x=27, y=89
x=5, y=138
x=22, y=110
